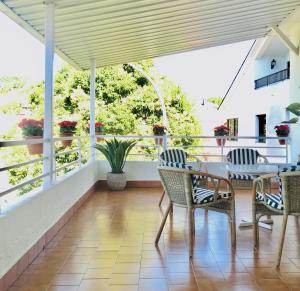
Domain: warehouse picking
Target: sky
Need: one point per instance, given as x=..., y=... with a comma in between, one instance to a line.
x=202, y=73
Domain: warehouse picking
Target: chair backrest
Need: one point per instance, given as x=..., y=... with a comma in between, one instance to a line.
x=243, y=156
x=289, y=187
x=174, y=184
x=174, y=155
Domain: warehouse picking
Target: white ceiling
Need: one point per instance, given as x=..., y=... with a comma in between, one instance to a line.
x=121, y=31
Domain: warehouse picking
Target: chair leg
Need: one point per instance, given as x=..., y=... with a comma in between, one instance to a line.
x=282, y=236
x=161, y=198
x=162, y=224
x=193, y=221
x=171, y=209
x=190, y=223
x=255, y=233
x=233, y=229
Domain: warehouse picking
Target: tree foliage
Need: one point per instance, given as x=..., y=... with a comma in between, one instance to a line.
x=125, y=102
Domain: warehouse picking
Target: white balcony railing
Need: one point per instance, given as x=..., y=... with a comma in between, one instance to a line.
x=204, y=147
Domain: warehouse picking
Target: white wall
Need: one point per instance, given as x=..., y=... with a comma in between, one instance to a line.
x=22, y=225
x=147, y=170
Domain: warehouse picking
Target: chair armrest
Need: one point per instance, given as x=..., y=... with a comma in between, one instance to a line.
x=199, y=163
x=265, y=160
x=215, y=178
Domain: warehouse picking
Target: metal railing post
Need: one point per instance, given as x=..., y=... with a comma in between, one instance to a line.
x=48, y=150
x=92, y=107
x=165, y=142
x=79, y=153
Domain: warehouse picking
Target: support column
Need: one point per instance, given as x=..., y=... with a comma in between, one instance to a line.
x=294, y=97
x=92, y=107
x=48, y=151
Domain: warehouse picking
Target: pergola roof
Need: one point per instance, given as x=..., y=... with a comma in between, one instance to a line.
x=121, y=31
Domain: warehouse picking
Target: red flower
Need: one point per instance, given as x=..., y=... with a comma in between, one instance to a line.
x=99, y=124
x=221, y=127
x=32, y=122
x=282, y=130
x=67, y=123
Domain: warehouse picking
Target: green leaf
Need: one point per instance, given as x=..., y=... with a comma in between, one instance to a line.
x=294, y=108
x=116, y=152
x=293, y=120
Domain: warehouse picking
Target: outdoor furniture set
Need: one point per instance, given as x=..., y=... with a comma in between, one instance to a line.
x=188, y=187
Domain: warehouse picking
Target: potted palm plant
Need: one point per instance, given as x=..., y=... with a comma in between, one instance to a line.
x=221, y=130
x=116, y=152
x=32, y=129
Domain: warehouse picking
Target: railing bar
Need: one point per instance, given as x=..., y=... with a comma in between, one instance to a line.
x=65, y=166
x=234, y=146
x=22, y=142
x=23, y=184
x=22, y=164
x=67, y=152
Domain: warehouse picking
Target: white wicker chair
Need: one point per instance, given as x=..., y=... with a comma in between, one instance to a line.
x=173, y=157
x=181, y=187
x=286, y=202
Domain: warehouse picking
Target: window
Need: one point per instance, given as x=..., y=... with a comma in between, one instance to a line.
x=261, y=127
x=233, y=126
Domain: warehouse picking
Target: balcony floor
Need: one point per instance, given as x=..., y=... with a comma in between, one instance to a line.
x=109, y=245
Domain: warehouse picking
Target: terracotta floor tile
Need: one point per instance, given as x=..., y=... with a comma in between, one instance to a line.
x=67, y=279
x=125, y=279
x=94, y=285
x=104, y=273
x=153, y=284
x=108, y=245
x=153, y=273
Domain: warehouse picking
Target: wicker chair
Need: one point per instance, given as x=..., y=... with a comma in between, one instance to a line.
x=243, y=157
x=286, y=202
x=172, y=157
x=183, y=191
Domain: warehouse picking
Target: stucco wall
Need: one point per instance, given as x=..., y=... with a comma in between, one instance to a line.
x=23, y=224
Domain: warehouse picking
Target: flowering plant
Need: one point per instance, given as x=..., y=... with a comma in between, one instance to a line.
x=99, y=126
x=67, y=126
x=159, y=129
x=221, y=130
x=282, y=130
x=31, y=127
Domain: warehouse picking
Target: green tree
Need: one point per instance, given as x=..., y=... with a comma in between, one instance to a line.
x=125, y=102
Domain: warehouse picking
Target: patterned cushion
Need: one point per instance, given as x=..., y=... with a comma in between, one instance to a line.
x=174, y=155
x=202, y=195
x=234, y=176
x=273, y=200
x=243, y=156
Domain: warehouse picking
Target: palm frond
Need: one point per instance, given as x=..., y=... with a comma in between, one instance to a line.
x=116, y=152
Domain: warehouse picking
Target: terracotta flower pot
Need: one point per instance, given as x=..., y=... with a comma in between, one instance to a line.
x=281, y=141
x=66, y=143
x=221, y=141
x=35, y=149
x=159, y=141
x=100, y=133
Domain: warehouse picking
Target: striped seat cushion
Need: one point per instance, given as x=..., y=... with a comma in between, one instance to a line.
x=234, y=176
x=273, y=200
x=174, y=155
x=202, y=195
x=243, y=157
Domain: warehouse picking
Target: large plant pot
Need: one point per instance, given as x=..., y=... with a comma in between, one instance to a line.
x=66, y=143
x=35, y=149
x=116, y=182
x=221, y=141
x=99, y=133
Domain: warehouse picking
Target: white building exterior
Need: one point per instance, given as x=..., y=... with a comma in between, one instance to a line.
x=248, y=104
